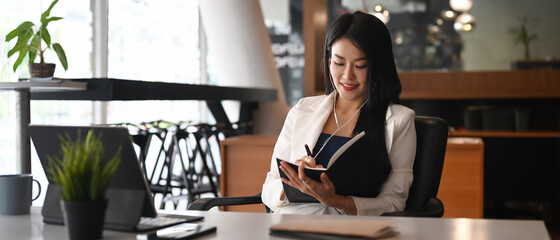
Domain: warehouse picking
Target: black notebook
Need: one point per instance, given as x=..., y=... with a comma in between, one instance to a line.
x=345, y=169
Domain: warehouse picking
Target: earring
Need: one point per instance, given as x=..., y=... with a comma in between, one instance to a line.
x=373, y=87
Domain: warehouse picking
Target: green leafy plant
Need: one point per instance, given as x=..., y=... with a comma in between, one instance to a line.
x=521, y=33
x=29, y=40
x=82, y=174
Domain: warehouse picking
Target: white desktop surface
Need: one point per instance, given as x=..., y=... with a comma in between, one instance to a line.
x=231, y=225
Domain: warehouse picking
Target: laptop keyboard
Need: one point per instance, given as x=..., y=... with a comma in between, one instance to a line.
x=158, y=222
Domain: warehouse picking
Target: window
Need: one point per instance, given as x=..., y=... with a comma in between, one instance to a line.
x=74, y=34
x=148, y=40
x=154, y=41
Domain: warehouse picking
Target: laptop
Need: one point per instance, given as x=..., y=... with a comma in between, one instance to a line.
x=131, y=206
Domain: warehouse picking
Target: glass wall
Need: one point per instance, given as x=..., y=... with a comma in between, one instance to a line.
x=154, y=41
x=148, y=40
x=74, y=34
x=427, y=34
x=284, y=21
x=422, y=38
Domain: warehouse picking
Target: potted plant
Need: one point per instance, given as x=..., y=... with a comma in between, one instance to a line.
x=81, y=176
x=30, y=40
x=522, y=34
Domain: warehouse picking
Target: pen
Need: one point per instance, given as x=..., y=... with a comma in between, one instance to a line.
x=308, y=151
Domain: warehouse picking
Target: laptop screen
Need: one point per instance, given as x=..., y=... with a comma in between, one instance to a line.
x=129, y=194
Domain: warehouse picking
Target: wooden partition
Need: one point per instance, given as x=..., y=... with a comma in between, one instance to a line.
x=462, y=182
x=246, y=160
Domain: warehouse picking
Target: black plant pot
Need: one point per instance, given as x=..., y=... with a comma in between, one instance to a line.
x=84, y=219
x=41, y=70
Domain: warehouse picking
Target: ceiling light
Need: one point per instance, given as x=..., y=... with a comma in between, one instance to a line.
x=448, y=14
x=380, y=12
x=464, y=22
x=461, y=5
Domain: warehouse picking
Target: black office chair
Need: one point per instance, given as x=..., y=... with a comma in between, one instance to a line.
x=422, y=200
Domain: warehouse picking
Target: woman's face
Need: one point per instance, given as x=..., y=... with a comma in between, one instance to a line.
x=348, y=68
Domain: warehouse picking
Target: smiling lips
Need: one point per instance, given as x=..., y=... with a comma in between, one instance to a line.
x=348, y=87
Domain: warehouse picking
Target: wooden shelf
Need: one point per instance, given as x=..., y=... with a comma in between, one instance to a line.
x=506, y=134
x=544, y=83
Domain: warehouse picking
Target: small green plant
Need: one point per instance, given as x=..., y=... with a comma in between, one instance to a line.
x=29, y=40
x=82, y=174
x=521, y=33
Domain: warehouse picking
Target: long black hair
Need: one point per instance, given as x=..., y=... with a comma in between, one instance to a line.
x=370, y=35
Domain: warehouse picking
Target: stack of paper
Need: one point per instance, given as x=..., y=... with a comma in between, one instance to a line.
x=372, y=229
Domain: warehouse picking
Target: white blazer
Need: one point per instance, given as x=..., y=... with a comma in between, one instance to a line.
x=304, y=124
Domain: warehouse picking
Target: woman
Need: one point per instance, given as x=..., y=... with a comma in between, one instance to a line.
x=361, y=91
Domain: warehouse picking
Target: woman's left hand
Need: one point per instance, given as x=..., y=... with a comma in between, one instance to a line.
x=323, y=191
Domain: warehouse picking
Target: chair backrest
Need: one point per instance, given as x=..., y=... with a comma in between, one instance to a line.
x=431, y=134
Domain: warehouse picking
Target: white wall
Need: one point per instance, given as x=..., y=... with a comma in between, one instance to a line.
x=276, y=10
x=491, y=47
x=239, y=40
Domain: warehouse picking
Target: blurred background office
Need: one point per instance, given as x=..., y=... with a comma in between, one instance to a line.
x=167, y=41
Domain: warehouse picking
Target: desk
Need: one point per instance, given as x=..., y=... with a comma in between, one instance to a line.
x=236, y=225
x=23, y=118
x=108, y=89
